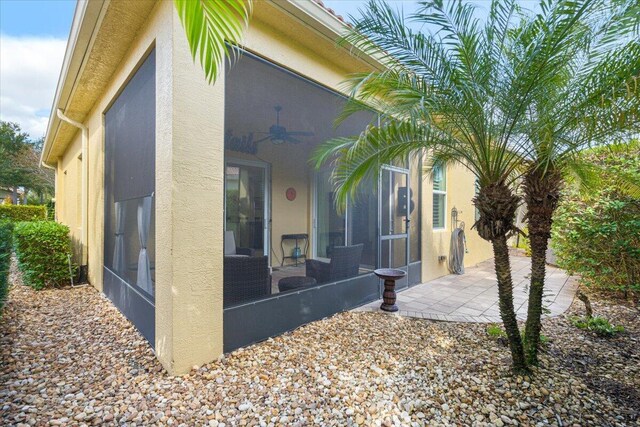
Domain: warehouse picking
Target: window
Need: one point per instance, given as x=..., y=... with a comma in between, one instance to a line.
x=439, y=196
x=129, y=175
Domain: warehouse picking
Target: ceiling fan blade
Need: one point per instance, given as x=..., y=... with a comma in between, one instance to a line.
x=292, y=140
x=263, y=139
x=300, y=133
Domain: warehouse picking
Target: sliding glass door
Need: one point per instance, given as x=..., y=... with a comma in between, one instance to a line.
x=246, y=201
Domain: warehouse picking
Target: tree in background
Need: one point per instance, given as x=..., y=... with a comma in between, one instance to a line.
x=20, y=163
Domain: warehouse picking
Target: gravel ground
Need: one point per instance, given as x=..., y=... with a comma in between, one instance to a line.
x=69, y=358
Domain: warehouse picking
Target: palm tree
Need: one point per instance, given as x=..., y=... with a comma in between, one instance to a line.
x=456, y=93
x=209, y=25
x=592, y=99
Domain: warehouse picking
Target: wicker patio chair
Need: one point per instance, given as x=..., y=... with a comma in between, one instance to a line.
x=245, y=279
x=230, y=247
x=344, y=263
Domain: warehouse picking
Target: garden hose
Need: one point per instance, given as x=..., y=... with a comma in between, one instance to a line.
x=457, y=250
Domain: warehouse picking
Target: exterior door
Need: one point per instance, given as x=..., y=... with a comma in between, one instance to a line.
x=394, y=220
x=246, y=204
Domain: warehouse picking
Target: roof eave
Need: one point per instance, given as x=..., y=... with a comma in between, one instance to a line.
x=85, y=20
x=326, y=22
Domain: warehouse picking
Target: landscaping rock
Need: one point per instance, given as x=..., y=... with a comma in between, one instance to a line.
x=69, y=358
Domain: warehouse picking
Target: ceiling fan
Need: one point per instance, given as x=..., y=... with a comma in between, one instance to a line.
x=279, y=134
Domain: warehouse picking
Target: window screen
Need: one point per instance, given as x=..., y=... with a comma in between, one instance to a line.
x=129, y=181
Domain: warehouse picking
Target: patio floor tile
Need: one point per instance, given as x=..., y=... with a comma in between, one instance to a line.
x=473, y=297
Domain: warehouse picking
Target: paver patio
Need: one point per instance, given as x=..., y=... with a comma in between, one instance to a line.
x=473, y=296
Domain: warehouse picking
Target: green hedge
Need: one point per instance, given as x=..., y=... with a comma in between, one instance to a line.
x=597, y=233
x=600, y=240
x=51, y=210
x=18, y=213
x=43, y=249
x=6, y=230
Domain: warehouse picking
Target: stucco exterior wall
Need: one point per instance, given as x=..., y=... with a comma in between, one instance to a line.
x=189, y=192
x=69, y=196
x=460, y=192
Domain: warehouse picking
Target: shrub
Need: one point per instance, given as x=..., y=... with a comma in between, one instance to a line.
x=600, y=240
x=6, y=230
x=599, y=325
x=43, y=249
x=597, y=235
x=18, y=213
x=51, y=210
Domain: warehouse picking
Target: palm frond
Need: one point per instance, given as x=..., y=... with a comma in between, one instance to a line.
x=209, y=25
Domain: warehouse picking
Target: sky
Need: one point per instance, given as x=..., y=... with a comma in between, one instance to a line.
x=33, y=38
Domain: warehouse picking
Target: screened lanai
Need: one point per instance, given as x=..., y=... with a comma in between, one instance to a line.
x=284, y=236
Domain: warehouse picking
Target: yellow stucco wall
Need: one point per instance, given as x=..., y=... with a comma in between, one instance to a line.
x=188, y=288
x=460, y=192
x=68, y=199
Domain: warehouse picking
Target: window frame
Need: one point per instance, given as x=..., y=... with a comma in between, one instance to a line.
x=435, y=193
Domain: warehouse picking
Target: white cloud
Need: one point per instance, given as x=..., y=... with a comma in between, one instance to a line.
x=29, y=70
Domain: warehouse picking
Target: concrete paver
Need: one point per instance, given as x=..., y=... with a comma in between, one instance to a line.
x=473, y=297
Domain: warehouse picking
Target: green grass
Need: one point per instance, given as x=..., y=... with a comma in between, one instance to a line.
x=495, y=331
x=598, y=325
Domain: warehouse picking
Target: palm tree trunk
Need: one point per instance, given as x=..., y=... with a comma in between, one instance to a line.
x=541, y=194
x=536, y=290
x=497, y=206
x=505, y=297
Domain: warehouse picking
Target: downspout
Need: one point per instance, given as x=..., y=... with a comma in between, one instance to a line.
x=55, y=180
x=84, y=238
